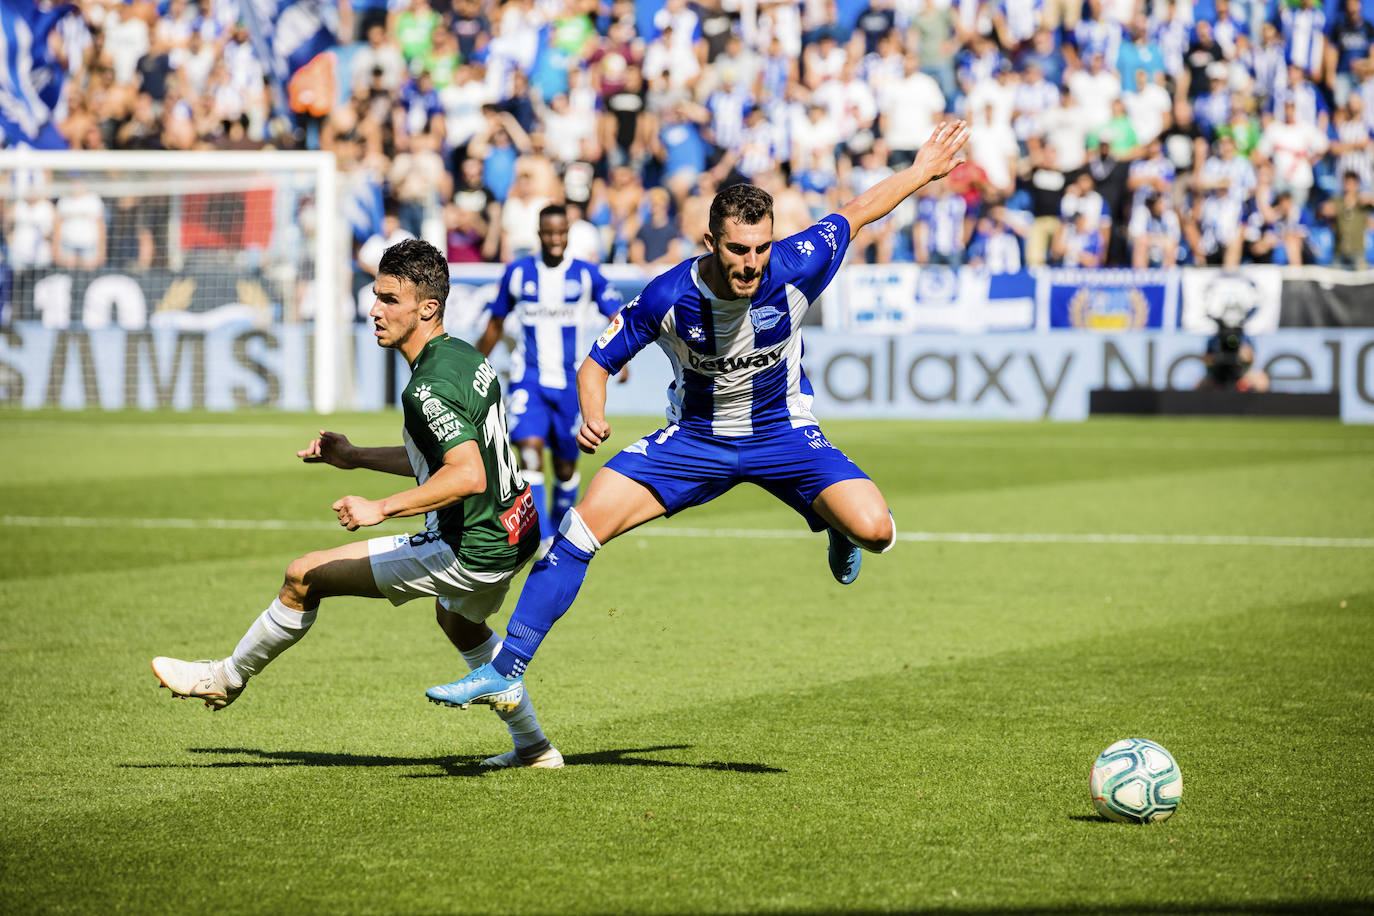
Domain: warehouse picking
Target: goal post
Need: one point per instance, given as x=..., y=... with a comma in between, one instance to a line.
x=155, y=239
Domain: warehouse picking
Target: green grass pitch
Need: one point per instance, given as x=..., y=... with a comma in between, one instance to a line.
x=743, y=734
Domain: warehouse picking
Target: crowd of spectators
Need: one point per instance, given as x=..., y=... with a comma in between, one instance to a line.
x=1107, y=132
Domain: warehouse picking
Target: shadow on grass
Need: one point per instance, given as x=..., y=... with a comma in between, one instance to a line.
x=454, y=765
x=1090, y=818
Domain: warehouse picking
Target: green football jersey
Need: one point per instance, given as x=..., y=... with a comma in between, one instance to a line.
x=453, y=396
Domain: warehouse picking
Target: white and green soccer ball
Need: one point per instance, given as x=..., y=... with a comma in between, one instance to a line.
x=1135, y=782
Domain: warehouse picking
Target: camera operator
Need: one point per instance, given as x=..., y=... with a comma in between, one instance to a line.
x=1230, y=355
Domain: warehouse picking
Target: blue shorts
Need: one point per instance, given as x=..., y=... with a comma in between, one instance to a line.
x=686, y=469
x=551, y=414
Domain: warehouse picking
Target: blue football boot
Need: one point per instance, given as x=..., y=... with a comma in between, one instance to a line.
x=845, y=558
x=483, y=685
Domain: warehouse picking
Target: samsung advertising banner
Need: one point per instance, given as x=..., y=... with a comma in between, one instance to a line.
x=1049, y=376
x=1021, y=376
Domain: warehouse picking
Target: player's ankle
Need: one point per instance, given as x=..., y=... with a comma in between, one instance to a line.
x=508, y=664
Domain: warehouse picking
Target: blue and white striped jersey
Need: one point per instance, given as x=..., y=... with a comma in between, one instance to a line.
x=551, y=305
x=736, y=362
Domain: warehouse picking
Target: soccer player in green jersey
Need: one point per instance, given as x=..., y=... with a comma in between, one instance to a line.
x=481, y=524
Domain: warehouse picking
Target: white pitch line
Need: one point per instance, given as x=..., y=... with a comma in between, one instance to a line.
x=68, y=521
x=671, y=531
x=995, y=537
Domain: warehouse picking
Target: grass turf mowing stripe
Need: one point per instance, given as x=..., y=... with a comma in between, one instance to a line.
x=669, y=531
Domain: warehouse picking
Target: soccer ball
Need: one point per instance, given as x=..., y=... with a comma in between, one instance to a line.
x=1135, y=782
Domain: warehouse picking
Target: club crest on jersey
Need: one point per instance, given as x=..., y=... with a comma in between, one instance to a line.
x=613, y=329
x=432, y=408
x=765, y=317
x=572, y=289
x=694, y=333
x=806, y=248
x=531, y=289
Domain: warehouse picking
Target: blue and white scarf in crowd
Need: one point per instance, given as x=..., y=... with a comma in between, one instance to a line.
x=30, y=79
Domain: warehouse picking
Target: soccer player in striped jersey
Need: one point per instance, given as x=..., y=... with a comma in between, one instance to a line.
x=549, y=298
x=739, y=407
x=480, y=523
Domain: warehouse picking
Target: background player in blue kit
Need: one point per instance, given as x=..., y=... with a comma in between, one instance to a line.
x=739, y=407
x=549, y=297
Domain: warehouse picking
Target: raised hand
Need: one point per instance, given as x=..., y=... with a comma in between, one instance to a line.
x=939, y=155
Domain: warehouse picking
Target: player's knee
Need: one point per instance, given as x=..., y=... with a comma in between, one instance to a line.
x=575, y=529
x=295, y=584
x=873, y=531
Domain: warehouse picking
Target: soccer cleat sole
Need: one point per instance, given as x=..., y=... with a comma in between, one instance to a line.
x=501, y=702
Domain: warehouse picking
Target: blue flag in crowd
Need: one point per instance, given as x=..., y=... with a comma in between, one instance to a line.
x=30, y=80
x=287, y=34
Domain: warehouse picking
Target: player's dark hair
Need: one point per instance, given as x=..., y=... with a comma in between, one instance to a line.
x=423, y=265
x=743, y=203
x=553, y=210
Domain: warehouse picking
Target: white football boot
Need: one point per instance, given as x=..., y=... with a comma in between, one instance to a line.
x=549, y=759
x=203, y=680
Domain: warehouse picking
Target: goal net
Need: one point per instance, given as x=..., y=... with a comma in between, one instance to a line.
x=173, y=279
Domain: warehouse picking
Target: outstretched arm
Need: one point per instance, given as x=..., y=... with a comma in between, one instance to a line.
x=335, y=449
x=937, y=157
x=462, y=475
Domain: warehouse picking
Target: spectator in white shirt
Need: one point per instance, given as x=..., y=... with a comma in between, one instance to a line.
x=998, y=93
x=33, y=218
x=1150, y=107
x=1066, y=132
x=992, y=145
x=909, y=109
x=1095, y=88
x=79, y=237
x=1292, y=146
x=849, y=102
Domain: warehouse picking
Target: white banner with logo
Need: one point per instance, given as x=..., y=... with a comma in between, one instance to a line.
x=1208, y=293
x=905, y=298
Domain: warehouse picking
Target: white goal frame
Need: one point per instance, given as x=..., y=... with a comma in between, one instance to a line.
x=330, y=257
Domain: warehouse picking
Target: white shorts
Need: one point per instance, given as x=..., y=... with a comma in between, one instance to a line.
x=409, y=566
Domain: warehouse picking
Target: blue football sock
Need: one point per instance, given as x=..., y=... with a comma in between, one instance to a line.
x=564, y=496
x=548, y=593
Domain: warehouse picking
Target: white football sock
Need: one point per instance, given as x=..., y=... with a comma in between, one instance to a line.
x=521, y=721
x=276, y=628
x=482, y=654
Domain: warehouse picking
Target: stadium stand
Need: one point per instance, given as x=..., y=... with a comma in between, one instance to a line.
x=1111, y=132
